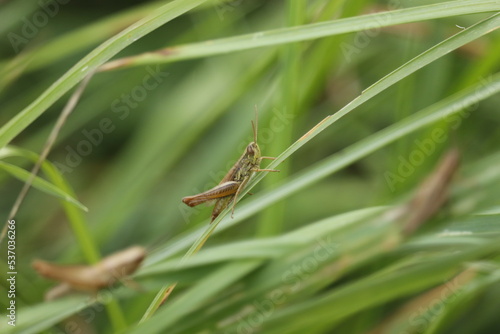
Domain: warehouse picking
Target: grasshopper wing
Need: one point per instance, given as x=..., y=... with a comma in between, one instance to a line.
x=217, y=192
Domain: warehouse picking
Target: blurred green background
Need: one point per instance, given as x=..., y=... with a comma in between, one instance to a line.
x=142, y=137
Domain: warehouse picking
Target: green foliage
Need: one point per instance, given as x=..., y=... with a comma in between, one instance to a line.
x=356, y=107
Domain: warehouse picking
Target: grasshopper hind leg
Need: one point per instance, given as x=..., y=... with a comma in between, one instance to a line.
x=220, y=205
x=243, y=184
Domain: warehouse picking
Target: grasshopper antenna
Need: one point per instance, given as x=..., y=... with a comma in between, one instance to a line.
x=255, y=125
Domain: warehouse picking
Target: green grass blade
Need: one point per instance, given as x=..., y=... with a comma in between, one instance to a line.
x=307, y=32
x=88, y=35
x=91, y=62
x=75, y=216
x=290, y=92
x=261, y=247
x=40, y=184
x=207, y=288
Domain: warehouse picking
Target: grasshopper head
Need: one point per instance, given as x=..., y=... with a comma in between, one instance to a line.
x=253, y=152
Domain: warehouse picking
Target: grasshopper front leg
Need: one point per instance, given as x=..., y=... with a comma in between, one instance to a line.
x=243, y=184
x=265, y=170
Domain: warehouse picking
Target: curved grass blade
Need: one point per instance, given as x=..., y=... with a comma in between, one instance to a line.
x=40, y=184
x=92, y=61
x=305, y=32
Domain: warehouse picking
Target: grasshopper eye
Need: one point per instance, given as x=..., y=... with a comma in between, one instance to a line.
x=250, y=149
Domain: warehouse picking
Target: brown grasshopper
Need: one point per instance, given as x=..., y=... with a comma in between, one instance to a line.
x=91, y=278
x=232, y=184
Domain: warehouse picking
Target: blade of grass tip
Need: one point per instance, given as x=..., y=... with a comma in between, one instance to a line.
x=74, y=215
x=304, y=32
x=165, y=292
x=70, y=106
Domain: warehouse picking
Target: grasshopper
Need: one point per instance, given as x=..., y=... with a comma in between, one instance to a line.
x=91, y=278
x=227, y=191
